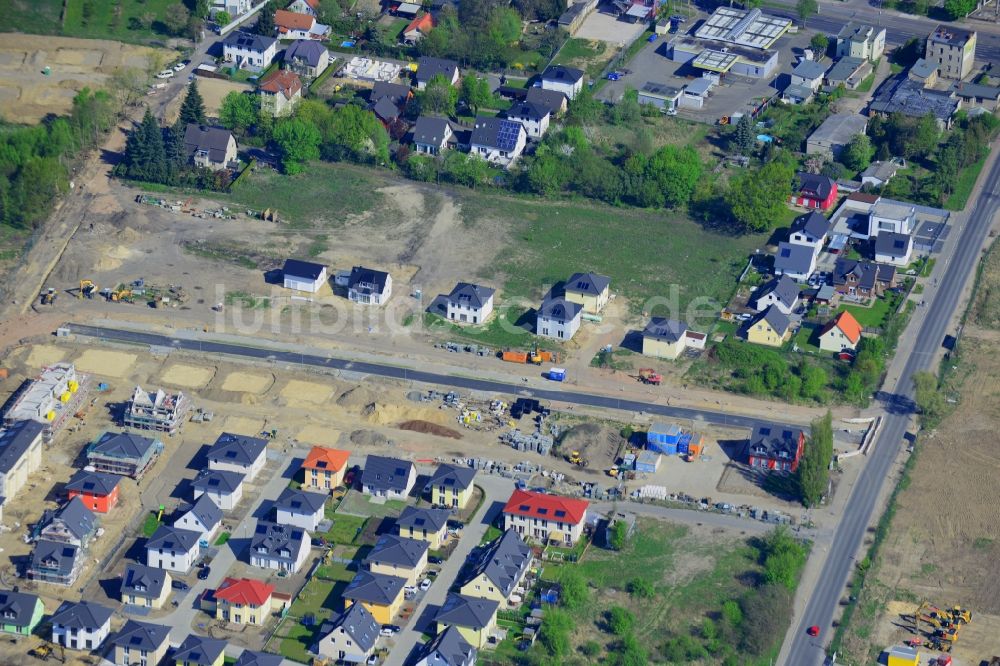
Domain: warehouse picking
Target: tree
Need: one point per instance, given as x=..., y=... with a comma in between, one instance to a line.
x=193, y=107
x=238, y=112
x=820, y=43
x=128, y=85
x=805, y=9
x=814, y=380
x=641, y=588
x=925, y=136
x=858, y=153
x=675, y=172
x=198, y=8
x=732, y=614
x=298, y=142
x=356, y=134
x=438, y=97
x=145, y=157
x=476, y=92
x=175, y=17
x=574, y=588
x=265, y=20
x=928, y=397
x=547, y=174
x=223, y=18
x=756, y=199
x=620, y=621
x=766, y=613
x=619, y=533
x=554, y=633
x=813, y=473
x=742, y=141
x=958, y=8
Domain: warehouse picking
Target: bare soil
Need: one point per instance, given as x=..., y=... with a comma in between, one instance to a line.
x=416, y=425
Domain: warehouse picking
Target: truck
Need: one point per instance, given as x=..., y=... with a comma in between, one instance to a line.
x=556, y=374
x=649, y=376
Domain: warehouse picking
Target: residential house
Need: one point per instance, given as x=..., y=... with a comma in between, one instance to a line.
x=660, y=95
x=796, y=93
x=292, y=25
x=469, y=303
x=323, y=469
x=498, y=141
x=894, y=249
x=862, y=279
x=140, y=643
x=280, y=91
x=860, y=40
x=235, y=8
x=303, y=275
x=307, y=58
x=388, y=477
x=431, y=135
x=890, y=216
x=204, y=517
x=387, y=100
x=368, y=286
x=300, y=508
x=431, y=525
x=254, y=658
x=172, y=549
x=398, y=556
x=558, y=318
x=590, y=290
x=199, y=651
x=923, y=72
x=780, y=292
x=534, y=117
x=20, y=612
x=770, y=327
x=418, y=28
x=848, y=72
x=223, y=488
x=55, y=562
x=794, y=260
x=451, y=486
x=810, y=229
x=349, y=637
x=840, y=333
x=244, y=601
x=98, y=491
x=448, y=648
x=902, y=95
x=953, y=49
x=159, y=411
x=501, y=570
x=81, y=625
x=428, y=68
x=976, y=95
x=144, y=586
x=814, y=191
x=879, y=173
x=545, y=518
x=73, y=524
x=553, y=100
x=475, y=618
x=123, y=453
x=809, y=74
x=310, y=7
x=774, y=448
x=238, y=453
x=829, y=139
x=279, y=547
x=382, y=595
x=249, y=51
x=567, y=80
x=668, y=338
x=20, y=455
x=210, y=147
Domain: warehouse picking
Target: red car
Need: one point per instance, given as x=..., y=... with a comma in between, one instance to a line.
x=813, y=630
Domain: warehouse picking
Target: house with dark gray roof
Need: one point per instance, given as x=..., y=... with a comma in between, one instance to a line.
x=144, y=586
x=98, y=491
x=893, y=248
x=124, y=453
x=300, y=508
x=501, y=570
x=977, y=94
x=810, y=229
x=199, y=651
x=775, y=448
x=54, y=562
x=534, y=117
x=781, y=292
x=223, y=488
x=558, y=318
x=349, y=636
x=903, y=95
x=668, y=338
x=475, y=618
x=388, y=477
x=368, y=286
x=238, y=453
x=254, y=658
x=834, y=133
x=498, y=140
x=307, y=58
x=862, y=279
x=210, y=147
x=553, y=100
x=431, y=135
x=249, y=50
x=382, y=595
x=73, y=524
x=307, y=276
x=204, y=517
x=809, y=74
x=20, y=612
x=81, y=625
x=771, y=327
x=280, y=547
x=848, y=72
x=428, y=68
x=796, y=261
x=428, y=524
x=172, y=549
x=879, y=173
x=560, y=78
x=398, y=556
x=448, y=648
x=469, y=303
x=140, y=641
x=450, y=486
x=591, y=290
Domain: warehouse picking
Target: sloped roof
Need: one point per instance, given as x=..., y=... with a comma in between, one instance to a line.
x=309, y=51
x=396, y=92
x=417, y=518
x=300, y=501
x=358, y=623
x=172, y=538
x=82, y=615
x=54, y=555
x=847, y=324
x=668, y=330
x=367, y=276
x=386, y=473
x=374, y=588
x=243, y=591
x=430, y=130
x=323, y=458
x=385, y=109
x=460, y=610
x=239, y=449
x=19, y=606
x=498, y=133
x=77, y=518
x=553, y=100
x=141, y=636
x=249, y=41
x=398, y=551
x=275, y=537
x=546, y=507
x=527, y=110
x=892, y=244
x=15, y=441
x=428, y=68
x=93, y=483
x=793, y=258
x=774, y=442
x=814, y=184
x=213, y=140
x=122, y=445
x=775, y=318
x=253, y=658
x=452, y=476
x=217, y=481
x=303, y=269
x=207, y=512
x=143, y=581
x=784, y=288
x=506, y=561
x=199, y=651
x=813, y=223
x=282, y=81
x=562, y=74
x=559, y=309
x=591, y=284
x=473, y=295
x=424, y=23
x=448, y=648
x=286, y=20
x=809, y=69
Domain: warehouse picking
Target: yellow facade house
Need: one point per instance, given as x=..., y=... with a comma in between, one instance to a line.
x=590, y=290
x=501, y=571
x=771, y=328
x=398, y=556
x=451, y=486
x=431, y=525
x=475, y=619
x=382, y=595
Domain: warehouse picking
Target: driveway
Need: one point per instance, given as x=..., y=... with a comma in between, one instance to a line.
x=496, y=490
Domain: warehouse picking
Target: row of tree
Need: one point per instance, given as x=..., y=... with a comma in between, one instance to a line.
x=813, y=474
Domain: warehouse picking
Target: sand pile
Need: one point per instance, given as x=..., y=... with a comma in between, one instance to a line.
x=383, y=414
x=417, y=425
x=357, y=397
x=369, y=438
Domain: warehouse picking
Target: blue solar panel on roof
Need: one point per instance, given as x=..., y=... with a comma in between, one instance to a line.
x=508, y=134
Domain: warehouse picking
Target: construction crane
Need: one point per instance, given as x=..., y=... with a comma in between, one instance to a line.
x=87, y=289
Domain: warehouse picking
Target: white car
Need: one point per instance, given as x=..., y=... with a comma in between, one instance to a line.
x=425, y=584
x=165, y=74
x=179, y=67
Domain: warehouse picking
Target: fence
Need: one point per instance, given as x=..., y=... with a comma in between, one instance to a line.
x=240, y=19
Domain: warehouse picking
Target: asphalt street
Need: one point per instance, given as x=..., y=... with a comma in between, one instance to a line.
x=400, y=372
x=933, y=322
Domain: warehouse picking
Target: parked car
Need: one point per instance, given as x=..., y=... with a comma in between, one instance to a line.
x=179, y=585
x=425, y=584
x=372, y=660
x=179, y=67
x=388, y=630
x=165, y=74
x=204, y=572
x=434, y=559
x=409, y=591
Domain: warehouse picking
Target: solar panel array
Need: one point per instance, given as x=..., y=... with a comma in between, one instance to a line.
x=754, y=28
x=508, y=134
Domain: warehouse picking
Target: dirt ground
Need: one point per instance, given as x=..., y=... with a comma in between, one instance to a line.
x=27, y=95
x=212, y=91
x=944, y=545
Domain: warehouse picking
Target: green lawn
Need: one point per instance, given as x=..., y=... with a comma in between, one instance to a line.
x=492, y=532
x=316, y=598
x=149, y=525
x=509, y=327
x=871, y=317
x=358, y=504
x=805, y=338
x=116, y=19
x=334, y=572
x=297, y=639
x=346, y=528
x=586, y=54
x=963, y=187
x=38, y=17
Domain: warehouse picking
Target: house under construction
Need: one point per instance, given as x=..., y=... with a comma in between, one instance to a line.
x=158, y=411
x=50, y=398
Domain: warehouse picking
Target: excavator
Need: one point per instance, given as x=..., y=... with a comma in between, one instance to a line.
x=960, y=615
x=49, y=296
x=48, y=650
x=574, y=458
x=87, y=289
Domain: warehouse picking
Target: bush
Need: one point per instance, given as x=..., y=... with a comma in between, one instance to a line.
x=620, y=621
x=641, y=588
x=590, y=649
x=682, y=649
x=766, y=614
x=574, y=588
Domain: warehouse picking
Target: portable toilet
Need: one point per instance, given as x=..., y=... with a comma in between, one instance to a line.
x=648, y=461
x=663, y=438
x=903, y=655
x=557, y=374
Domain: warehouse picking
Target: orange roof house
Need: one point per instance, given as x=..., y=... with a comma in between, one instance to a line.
x=324, y=468
x=284, y=82
x=292, y=25
x=543, y=517
x=418, y=28
x=842, y=332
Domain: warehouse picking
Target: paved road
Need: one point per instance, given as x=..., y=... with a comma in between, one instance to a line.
x=933, y=323
x=400, y=372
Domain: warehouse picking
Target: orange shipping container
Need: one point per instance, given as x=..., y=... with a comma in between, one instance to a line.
x=515, y=356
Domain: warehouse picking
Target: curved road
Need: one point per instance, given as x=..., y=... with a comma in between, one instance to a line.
x=437, y=379
x=933, y=322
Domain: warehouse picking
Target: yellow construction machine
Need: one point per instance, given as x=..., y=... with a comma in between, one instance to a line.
x=49, y=296
x=574, y=458
x=45, y=651
x=960, y=615
x=87, y=289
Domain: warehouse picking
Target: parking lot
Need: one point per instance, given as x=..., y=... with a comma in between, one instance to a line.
x=606, y=27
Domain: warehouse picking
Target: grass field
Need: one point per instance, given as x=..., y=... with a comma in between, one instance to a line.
x=586, y=54
x=40, y=17
x=115, y=19
x=346, y=528
x=873, y=316
x=505, y=329
x=963, y=188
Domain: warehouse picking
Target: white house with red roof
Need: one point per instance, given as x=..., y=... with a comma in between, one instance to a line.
x=543, y=517
x=247, y=601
